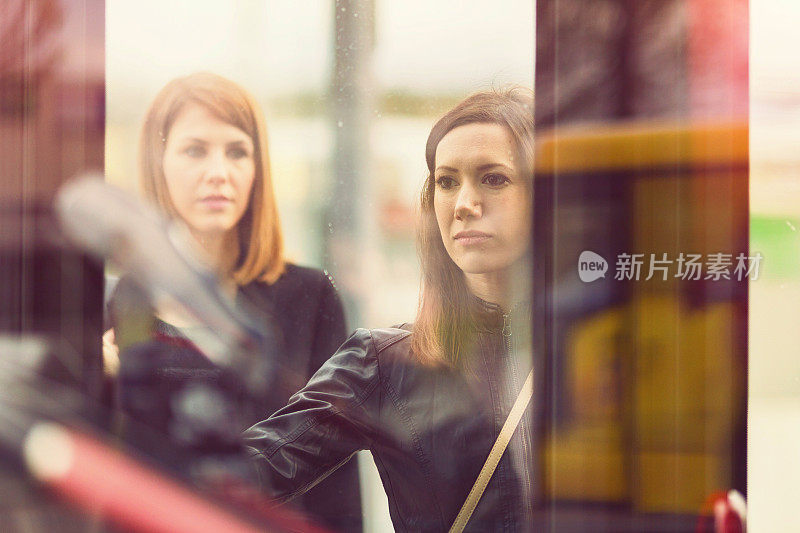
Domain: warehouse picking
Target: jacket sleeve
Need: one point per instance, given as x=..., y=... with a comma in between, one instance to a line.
x=322, y=425
x=330, y=328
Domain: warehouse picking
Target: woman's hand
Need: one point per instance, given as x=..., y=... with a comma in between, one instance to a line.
x=110, y=354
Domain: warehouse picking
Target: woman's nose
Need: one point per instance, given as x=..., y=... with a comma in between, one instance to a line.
x=468, y=203
x=216, y=167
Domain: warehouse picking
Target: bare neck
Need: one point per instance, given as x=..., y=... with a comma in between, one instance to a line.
x=504, y=288
x=489, y=287
x=221, y=250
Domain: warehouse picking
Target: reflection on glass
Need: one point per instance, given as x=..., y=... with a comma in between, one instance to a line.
x=301, y=63
x=204, y=162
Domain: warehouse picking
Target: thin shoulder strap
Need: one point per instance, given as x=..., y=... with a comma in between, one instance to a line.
x=495, y=454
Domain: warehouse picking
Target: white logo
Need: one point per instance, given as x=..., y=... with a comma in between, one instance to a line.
x=591, y=266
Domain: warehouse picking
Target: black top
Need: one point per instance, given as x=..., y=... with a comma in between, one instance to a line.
x=304, y=314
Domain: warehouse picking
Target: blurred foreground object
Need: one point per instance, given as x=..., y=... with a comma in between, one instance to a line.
x=200, y=412
x=648, y=399
x=642, y=160
x=724, y=512
x=47, y=430
x=97, y=478
x=52, y=111
x=110, y=223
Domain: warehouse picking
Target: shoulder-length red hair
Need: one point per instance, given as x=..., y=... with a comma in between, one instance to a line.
x=447, y=317
x=260, y=238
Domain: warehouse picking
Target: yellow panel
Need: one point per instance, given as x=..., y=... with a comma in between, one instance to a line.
x=587, y=464
x=676, y=482
x=662, y=373
x=683, y=382
x=586, y=459
x=633, y=146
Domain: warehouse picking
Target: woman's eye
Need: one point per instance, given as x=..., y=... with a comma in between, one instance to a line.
x=495, y=180
x=238, y=153
x=195, y=151
x=445, y=182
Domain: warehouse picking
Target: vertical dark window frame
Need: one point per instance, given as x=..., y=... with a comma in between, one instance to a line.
x=53, y=110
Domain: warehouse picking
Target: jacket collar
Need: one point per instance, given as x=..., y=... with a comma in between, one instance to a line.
x=492, y=316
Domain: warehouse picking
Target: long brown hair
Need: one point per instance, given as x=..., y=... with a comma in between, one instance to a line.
x=448, y=313
x=260, y=237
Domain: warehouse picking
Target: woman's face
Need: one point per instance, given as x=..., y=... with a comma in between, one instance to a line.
x=481, y=200
x=209, y=167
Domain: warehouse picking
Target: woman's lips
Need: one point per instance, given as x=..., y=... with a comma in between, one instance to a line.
x=215, y=202
x=469, y=238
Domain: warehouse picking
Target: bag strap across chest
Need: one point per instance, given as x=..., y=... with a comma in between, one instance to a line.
x=496, y=453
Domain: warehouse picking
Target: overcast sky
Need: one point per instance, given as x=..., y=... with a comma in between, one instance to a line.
x=284, y=45
x=774, y=41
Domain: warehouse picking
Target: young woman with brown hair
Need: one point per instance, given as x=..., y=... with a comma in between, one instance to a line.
x=204, y=161
x=429, y=401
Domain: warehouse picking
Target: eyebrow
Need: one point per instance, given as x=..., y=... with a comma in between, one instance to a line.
x=243, y=142
x=481, y=168
x=193, y=140
x=449, y=169
x=495, y=165
x=246, y=145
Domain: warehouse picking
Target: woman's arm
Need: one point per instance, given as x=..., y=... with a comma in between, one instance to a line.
x=336, y=502
x=322, y=425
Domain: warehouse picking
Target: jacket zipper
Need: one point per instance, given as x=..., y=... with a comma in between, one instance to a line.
x=507, y=337
x=507, y=331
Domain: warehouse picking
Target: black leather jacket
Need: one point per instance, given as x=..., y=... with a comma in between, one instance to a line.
x=429, y=429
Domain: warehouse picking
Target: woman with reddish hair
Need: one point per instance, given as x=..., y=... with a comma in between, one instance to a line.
x=204, y=162
x=430, y=400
